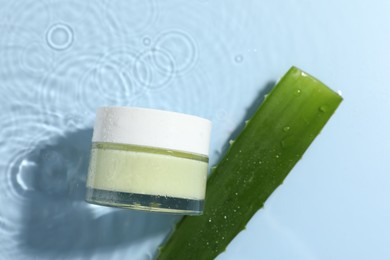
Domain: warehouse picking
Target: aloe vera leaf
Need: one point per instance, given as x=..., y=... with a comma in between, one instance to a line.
x=259, y=160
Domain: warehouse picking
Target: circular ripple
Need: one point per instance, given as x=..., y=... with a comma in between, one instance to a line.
x=110, y=81
x=81, y=82
x=16, y=184
x=59, y=36
x=59, y=89
x=154, y=68
x=181, y=46
x=146, y=41
x=46, y=166
x=239, y=58
x=34, y=59
x=23, y=60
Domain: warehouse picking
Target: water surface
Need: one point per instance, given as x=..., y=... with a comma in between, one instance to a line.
x=60, y=60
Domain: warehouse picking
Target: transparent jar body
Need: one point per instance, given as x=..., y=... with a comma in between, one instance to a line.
x=146, y=178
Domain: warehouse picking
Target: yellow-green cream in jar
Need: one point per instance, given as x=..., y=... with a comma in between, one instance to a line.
x=149, y=160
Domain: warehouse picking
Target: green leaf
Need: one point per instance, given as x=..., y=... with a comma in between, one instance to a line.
x=272, y=142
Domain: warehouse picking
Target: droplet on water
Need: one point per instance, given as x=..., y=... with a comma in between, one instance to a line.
x=59, y=36
x=146, y=41
x=238, y=58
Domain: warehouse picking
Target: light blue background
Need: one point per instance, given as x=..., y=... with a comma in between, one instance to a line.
x=59, y=60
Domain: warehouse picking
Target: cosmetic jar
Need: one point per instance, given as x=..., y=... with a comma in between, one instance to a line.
x=149, y=159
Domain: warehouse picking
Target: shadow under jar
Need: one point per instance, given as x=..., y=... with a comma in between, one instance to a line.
x=148, y=159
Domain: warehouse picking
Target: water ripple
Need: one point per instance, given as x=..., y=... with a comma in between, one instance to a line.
x=23, y=56
x=110, y=81
x=34, y=59
x=146, y=41
x=59, y=36
x=11, y=180
x=154, y=68
x=58, y=89
x=181, y=46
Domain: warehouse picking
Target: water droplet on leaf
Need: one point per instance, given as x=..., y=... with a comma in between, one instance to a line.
x=323, y=108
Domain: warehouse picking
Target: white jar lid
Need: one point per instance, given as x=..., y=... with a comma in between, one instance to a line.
x=152, y=128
